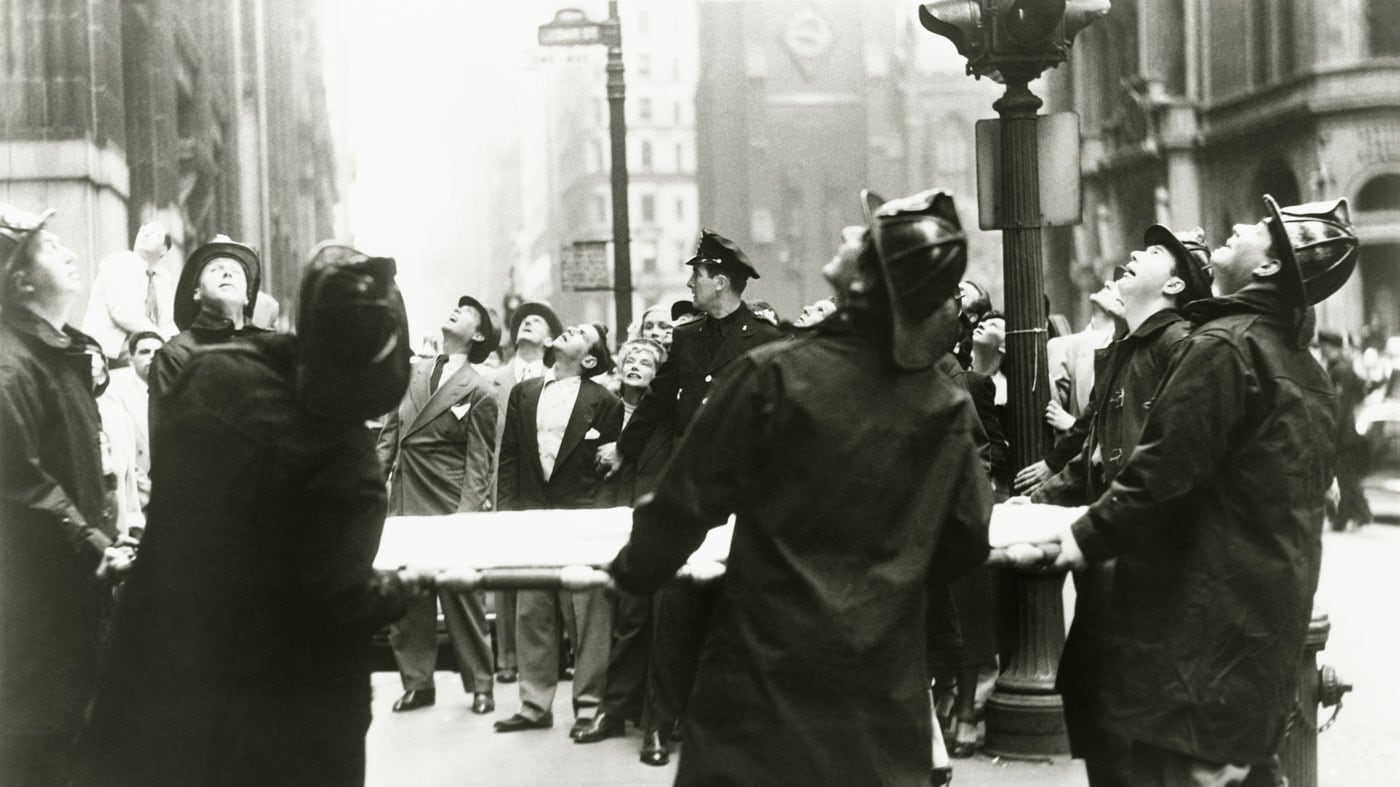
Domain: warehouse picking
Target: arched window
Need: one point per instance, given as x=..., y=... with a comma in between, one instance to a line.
x=1276, y=179
x=1383, y=23
x=1380, y=193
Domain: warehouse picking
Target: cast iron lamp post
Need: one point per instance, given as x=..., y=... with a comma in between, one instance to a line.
x=1012, y=42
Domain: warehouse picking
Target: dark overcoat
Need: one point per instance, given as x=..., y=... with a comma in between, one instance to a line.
x=1216, y=524
x=855, y=488
x=52, y=526
x=241, y=647
x=439, y=446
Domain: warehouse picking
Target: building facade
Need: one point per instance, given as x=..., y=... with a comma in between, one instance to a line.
x=1190, y=110
x=801, y=105
x=207, y=116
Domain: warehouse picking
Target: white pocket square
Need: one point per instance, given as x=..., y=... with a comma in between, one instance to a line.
x=460, y=410
x=592, y=434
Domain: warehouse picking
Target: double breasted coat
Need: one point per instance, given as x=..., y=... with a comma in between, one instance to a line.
x=855, y=488
x=242, y=641
x=52, y=523
x=1216, y=524
x=438, y=447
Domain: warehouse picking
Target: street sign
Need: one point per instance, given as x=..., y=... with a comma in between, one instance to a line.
x=572, y=28
x=584, y=266
x=1057, y=150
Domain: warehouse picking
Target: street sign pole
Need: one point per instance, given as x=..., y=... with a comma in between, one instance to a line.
x=572, y=28
x=617, y=123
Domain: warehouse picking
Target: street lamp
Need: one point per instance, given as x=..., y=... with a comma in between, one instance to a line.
x=1012, y=42
x=571, y=27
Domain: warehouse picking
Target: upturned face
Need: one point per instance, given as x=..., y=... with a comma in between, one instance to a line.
x=223, y=280
x=54, y=270
x=150, y=239
x=534, y=329
x=1148, y=274
x=638, y=368
x=574, y=343
x=463, y=323
x=656, y=325
x=1246, y=251
x=990, y=334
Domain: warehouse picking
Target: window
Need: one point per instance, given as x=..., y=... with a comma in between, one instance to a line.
x=595, y=158
x=680, y=209
x=644, y=110
x=649, y=263
x=679, y=120
x=648, y=208
x=646, y=156
x=680, y=157
x=600, y=209
x=1380, y=193
x=644, y=66
x=1383, y=22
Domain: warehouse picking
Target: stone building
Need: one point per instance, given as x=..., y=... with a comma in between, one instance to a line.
x=209, y=116
x=1191, y=110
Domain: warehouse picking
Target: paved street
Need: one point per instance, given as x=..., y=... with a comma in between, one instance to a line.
x=447, y=745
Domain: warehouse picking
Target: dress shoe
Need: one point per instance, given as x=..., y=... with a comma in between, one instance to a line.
x=508, y=675
x=517, y=723
x=964, y=742
x=602, y=728
x=415, y=699
x=654, y=748
x=482, y=702
x=941, y=776
x=580, y=724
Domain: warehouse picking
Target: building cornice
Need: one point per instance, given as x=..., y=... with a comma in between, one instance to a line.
x=1355, y=89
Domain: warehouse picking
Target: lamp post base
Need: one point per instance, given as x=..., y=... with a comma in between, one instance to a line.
x=1025, y=725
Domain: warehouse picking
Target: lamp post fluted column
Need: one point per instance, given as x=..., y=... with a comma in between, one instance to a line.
x=617, y=126
x=1024, y=715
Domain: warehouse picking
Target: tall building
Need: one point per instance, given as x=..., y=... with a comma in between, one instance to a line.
x=803, y=104
x=1191, y=110
x=207, y=116
x=570, y=169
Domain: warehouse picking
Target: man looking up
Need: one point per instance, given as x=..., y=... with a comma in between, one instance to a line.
x=1168, y=273
x=213, y=303
x=55, y=532
x=533, y=327
x=1215, y=519
x=554, y=425
x=131, y=293
x=850, y=462
x=438, y=447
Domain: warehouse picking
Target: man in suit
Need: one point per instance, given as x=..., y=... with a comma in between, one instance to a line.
x=554, y=426
x=533, y=327
x=700, y=351
x=438, y=447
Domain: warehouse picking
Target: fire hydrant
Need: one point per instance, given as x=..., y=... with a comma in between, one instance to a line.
x=1315, y=687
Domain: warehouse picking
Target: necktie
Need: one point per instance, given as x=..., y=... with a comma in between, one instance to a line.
x=152, y=302
x=437, y=373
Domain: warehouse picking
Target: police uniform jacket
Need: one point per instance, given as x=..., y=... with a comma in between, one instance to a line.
x=855, y=487
x=700, y=350
x=1216, y=524
x=52, y=525
x=438, y=447
x=242, y=644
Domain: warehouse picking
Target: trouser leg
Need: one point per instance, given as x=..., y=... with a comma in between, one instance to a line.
x=505, y=629
x=627, y=661
x=537, y=650
x=592, y=644
x=680, y=622
x=414, y=640
x=466, y=630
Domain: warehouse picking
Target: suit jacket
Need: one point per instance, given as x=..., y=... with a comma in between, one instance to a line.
x=575, y=482
x=683, y=382
x=439, y=448
x=502, y=381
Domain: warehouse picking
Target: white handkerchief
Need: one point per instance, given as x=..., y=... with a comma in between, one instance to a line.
x=592, y=434
x=460, y=410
